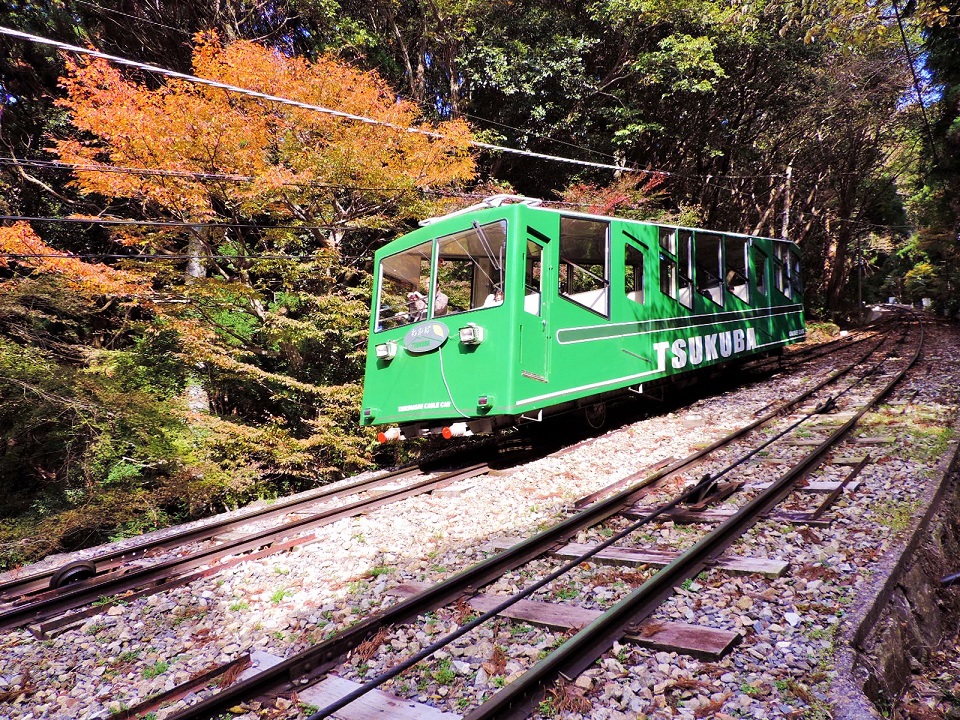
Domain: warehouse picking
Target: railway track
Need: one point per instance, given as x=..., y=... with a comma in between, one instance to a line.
x=123, y=574
x=297, y=673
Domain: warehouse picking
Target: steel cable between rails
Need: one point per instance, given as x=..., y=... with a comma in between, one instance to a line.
x=318, y=660
x=580, y=651
x=426, y=652
x=819, y=410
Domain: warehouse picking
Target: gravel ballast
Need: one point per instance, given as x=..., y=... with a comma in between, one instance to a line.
x=792, y=626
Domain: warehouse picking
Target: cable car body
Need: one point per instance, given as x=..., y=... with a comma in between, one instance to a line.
x=508, y=312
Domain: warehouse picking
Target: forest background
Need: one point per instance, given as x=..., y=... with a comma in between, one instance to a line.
x=185, y=270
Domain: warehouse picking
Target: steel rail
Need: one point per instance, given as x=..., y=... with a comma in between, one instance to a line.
x=316, y=661
x=584, y=648
x=82, y=593
x=11, y=589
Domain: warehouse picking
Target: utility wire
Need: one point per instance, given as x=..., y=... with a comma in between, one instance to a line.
x=916, y=83
x=306, y=106
x=155, y=256
x=156, y=223
x=133, y=17
x=234, y=177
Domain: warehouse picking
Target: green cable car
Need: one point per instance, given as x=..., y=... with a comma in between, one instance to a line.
x=506, y=312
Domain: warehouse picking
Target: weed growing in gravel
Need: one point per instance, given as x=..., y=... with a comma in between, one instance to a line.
x=279, y=595
x=355, y=587
x=239, y=606
x=895, y=514
x=128, y=656
x=444, y=674
x=181, y=616
x=158, y=668
x=498, y=681
x=308, y=709
x=547, y=708
x=380, y=570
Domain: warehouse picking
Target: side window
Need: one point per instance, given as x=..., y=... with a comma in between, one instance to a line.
x=470, y=269
x=404, y=287
x=584, y=269
x=736, y=279
x=533, y=278
x=633, y=273
x=668, y=265
x=710, y=267
x=675, y=273
x=781, y=268
x=760, y=266
x=685, y=267
x=668, y=239
x=795, y=274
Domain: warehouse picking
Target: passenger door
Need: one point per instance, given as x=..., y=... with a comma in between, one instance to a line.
x=534, y=334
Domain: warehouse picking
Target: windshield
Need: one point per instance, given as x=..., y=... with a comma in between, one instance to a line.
x=469, y=275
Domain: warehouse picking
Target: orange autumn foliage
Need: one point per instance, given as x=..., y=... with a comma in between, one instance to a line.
x=30, y=251
x=293, y=155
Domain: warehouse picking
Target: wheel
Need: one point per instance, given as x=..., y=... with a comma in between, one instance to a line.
x=73, y=572
x=596, y=415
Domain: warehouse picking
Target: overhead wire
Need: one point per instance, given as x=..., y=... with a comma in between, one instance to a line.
x=340, y=113
x=155, y=223
x=710, y=179
x=916, y=82
x=152, y=256
x=133, y=17
x=302, y=105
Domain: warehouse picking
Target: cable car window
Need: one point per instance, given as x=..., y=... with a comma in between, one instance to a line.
x=470, y=269
x=668, y=239
x=685, y=267
x=668, y=276
x=737, y=268
x=760, y=267
x=404, y=287
x=710, y=267
x=795, y=274
x=633, y=273
x=533, y=278
x=584, y=269
x=781, y=268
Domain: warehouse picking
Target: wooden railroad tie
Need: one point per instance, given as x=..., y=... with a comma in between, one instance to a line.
x=661, y=558
x=700, y=642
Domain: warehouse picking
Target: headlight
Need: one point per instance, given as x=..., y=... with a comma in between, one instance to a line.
x=472, y=334
x=387, y=350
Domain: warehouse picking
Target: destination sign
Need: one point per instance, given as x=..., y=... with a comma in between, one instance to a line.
x=425, y=337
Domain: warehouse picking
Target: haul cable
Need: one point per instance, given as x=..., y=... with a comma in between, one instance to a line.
x=304, y=668
x=580, y=651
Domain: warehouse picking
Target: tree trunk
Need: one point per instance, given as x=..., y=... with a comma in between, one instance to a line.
x=195, y=252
